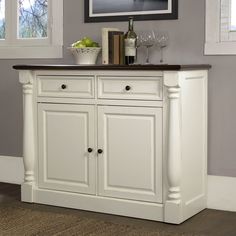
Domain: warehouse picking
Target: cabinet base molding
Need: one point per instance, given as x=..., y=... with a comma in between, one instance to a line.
x=137, y=209
x=173, y=212
x=178, y=211
x=27, y=192
x=221, y=191
x=219, y=187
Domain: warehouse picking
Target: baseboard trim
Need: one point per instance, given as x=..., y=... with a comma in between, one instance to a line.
x=221, y=190
x=130, y=208
x=11, y=169
x=221, y=193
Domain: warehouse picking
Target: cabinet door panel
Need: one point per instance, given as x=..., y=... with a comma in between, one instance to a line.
x=65, y=134
x=131, y=164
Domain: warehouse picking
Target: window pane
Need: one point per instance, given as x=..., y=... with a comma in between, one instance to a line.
x=233, y=15
x=2, y=19
x=33, y=18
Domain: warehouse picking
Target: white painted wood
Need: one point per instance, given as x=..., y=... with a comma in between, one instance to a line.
x=14, y=27
x=109, y=102
x=221, y=193
x=11, y=170
x=222, y=48
x=76, y=86
x=130, y=166
x=174, y=148
x=219, y=40
x=8, y=18
x=138, y=209
x=99, y=73
x=173, y=204
x=143, y=88
x=50, y=47
x=194, y=141
x=65, y=134
x=212, y=23
x=187, y=139
x=56, y=23
x=21, y=52
x=225, y=22
x=26, y=79
x=160, y=162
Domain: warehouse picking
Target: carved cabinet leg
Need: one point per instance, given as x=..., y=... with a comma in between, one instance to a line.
x=28, y=137
x=174, y=158
x=173, y=202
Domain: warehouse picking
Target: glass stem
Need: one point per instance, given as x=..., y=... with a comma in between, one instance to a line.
x=147, y=56
x=161, y=60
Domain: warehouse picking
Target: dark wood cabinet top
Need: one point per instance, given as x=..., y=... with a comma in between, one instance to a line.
x=112, y=67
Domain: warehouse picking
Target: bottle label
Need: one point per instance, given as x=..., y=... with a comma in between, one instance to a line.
x=130, y=49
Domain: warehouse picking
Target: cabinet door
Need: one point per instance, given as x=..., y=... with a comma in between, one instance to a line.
x=130, y=165
x=65, y=134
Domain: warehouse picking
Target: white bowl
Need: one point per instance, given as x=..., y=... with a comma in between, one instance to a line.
x=85, y=56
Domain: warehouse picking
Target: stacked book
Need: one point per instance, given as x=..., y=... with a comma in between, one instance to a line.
x=113, y=50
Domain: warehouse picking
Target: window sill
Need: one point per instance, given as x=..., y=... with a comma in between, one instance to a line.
x=33, y=52
x=222, y=48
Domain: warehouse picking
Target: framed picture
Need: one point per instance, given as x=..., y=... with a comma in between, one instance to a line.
x=120, y=10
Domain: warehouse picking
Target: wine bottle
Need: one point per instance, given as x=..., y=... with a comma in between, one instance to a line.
x=130, y=43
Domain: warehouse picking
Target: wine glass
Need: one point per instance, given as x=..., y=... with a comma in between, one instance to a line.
x=162, y=41
x=147, y=39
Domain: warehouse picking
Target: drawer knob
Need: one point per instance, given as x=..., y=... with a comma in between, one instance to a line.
x=100, y=151
x=63, y=86
x=127, y=88
x=90, y=150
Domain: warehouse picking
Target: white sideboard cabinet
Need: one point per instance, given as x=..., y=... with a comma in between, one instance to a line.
x=125, y=140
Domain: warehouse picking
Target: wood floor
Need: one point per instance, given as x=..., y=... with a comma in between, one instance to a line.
x=21, y=219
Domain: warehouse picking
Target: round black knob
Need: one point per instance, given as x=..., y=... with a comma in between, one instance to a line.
x=127, y=88
x=90, y=150
x=100, y=151
x=63, y=86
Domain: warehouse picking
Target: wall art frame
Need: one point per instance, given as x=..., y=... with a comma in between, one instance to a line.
x=116, y=10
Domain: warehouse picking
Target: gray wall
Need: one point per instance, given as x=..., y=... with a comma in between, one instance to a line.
x=186, y=46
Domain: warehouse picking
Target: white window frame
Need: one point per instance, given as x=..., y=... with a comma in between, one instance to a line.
x=219, y=39
x=51, y=47
x=225, y=24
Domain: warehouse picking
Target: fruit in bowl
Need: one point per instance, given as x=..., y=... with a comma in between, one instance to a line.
x=85, y=51
x=85, y=42
x=78, y=44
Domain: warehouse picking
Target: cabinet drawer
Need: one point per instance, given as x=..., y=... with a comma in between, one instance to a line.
x=66, y=86
x=145, y=88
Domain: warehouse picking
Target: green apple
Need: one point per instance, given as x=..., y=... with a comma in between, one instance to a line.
x=81, y=45
x=78, y=44
x=87, y=41
x=94, y=44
